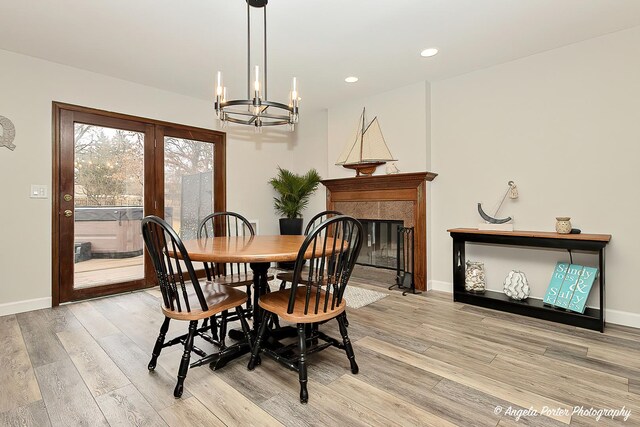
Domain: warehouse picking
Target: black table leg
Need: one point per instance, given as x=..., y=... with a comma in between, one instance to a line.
x=260, y=284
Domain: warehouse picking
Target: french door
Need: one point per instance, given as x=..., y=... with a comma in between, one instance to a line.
x=111, y=170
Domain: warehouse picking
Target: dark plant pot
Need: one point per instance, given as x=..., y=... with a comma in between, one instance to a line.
x=290, y=227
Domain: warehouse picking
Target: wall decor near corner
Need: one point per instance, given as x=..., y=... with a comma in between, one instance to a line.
x=516, y=286
x=493, y=223
x=8, y=133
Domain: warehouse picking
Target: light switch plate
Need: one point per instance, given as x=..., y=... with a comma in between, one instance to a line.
x=39, y=191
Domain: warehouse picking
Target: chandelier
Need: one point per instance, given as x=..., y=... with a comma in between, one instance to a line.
x=256, y=110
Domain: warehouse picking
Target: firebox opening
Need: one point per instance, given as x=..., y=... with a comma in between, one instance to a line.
x=380, y=246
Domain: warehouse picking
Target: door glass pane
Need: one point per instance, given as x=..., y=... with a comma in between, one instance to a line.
x=108, y=202
x=188, y=184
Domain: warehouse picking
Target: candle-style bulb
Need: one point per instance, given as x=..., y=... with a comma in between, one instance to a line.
x=294, y=90
x=219, y=87
x=256, y=83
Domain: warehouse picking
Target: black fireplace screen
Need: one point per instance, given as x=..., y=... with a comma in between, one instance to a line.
x=380, y=246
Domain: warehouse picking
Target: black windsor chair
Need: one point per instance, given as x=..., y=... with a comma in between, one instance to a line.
x=230, y=274
x=184, y=299
x=334, y=246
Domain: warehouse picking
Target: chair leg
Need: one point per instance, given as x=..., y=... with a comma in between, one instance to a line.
x=255, y=352
x=157, y=348
x=342, y=321
x=249, y=305
x=283, y=285
x=186, y=356
x=302, y=363
x=223, y=329
x=213, y=328
x=244, y=324
x=274, y=322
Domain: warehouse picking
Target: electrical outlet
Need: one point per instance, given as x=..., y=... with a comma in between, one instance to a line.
x=38, y=191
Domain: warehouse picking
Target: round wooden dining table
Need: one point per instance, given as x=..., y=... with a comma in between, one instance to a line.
x=245, y=249
x=259, y=252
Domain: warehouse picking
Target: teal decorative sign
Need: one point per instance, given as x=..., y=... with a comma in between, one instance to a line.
x=570, y=286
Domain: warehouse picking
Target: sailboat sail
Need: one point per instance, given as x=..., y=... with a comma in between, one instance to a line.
x=374, y=147
x=351, y=152
x=369, y=145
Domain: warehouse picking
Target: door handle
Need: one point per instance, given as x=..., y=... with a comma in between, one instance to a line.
x=68, y=213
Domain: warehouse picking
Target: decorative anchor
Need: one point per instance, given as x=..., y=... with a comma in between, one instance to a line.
x=512, y=192
x=8, y=133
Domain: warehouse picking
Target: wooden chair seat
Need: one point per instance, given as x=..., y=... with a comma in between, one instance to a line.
x=241, y=279
x=278, y=302
x=219, y=298
x=288, y=277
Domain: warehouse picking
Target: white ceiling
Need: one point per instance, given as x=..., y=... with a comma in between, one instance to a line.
x=178, y=45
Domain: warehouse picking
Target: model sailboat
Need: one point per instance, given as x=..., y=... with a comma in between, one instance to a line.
x=368, y=151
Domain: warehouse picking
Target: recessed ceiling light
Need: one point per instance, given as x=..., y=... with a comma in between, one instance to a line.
x=429, y=52
x=351, y=79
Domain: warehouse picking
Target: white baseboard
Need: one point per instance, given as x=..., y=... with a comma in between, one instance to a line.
x=437, y=285
x=26, y=305
x=616, y=317
x=623, y=318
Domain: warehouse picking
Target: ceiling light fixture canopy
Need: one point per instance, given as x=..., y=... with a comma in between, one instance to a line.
x=256, y=110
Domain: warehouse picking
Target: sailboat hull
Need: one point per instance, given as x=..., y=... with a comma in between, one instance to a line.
x=365, y=169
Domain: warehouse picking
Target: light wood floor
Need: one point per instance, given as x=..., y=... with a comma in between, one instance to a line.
x=423, y=361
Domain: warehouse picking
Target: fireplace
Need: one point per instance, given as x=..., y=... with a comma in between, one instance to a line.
x=380, y=246
x=390, y=199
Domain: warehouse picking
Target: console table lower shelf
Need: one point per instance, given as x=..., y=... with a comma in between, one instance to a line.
x=592, y=318
x=531, y=307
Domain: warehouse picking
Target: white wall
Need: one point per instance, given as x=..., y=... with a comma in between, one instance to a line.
x=564, y=125
x=311, y=152
x=28, y=86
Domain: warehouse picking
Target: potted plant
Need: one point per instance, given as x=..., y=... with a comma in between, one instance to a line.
x=293, y=196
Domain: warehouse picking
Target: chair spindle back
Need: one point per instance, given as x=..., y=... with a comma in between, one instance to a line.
x=225, y=224
x=319, y=218
x=165, y=247
x=334, y=245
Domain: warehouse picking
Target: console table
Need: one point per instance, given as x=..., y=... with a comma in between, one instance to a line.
x=593, y=318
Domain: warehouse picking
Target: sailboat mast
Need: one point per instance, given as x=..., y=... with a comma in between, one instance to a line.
x=362, y=134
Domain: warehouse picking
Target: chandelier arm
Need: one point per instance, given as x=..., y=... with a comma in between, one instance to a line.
x=250, y=122
x=262, y=116
x=237, y=121
x=263, y=103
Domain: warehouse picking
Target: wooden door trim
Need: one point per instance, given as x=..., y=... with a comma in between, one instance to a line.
x=152, y=174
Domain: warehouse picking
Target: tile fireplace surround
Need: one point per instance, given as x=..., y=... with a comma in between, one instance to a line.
x=400, y=197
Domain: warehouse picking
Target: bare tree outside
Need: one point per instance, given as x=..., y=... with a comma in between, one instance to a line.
x=107, y=166
x=109, y=173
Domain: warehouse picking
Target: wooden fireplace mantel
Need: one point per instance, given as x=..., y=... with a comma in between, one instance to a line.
x=397, y=196
x=379, y=182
